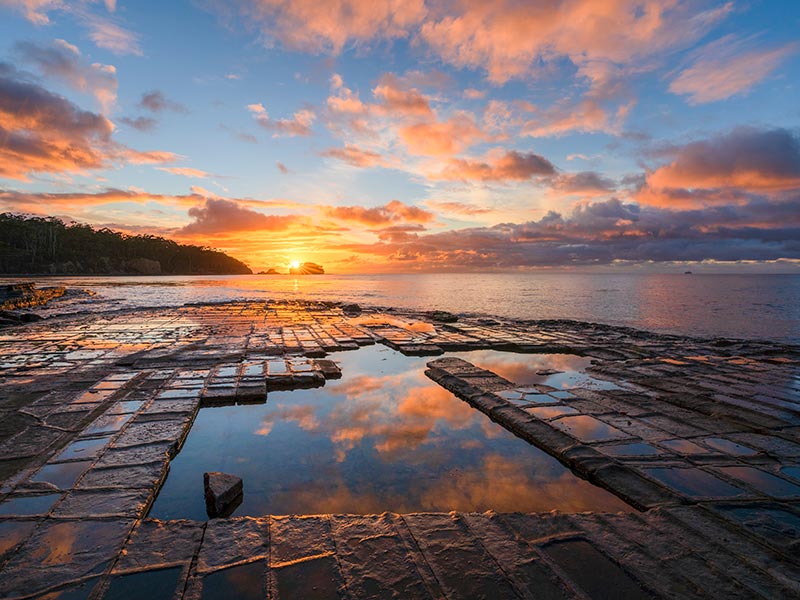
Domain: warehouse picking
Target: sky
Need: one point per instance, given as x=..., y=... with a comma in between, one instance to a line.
x=410, y=135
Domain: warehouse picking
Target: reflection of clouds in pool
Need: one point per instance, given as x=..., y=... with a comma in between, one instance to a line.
x=385, y=437
x=398, y=412
x=524, y=368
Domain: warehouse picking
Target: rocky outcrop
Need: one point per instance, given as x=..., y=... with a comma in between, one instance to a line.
x=224, y=493
x=27, y=295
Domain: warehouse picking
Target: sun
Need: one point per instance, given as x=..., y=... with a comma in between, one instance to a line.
x=295, y=264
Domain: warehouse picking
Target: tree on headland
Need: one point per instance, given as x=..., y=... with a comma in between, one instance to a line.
x=48, y=245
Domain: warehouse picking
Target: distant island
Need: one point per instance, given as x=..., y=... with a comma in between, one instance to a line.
x=46, y=245
x=307, y=268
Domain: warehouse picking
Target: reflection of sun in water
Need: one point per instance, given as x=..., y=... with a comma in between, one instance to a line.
x=295, y=264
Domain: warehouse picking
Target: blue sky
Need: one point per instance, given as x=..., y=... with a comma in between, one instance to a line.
x=402, y=136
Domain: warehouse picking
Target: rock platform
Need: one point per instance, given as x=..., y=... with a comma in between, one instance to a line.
x=702, y=436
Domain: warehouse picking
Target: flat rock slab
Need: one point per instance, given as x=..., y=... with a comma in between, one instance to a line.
x=93, y=408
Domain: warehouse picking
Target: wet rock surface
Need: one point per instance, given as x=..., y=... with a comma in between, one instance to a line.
x=702, y=435
x=223, y=493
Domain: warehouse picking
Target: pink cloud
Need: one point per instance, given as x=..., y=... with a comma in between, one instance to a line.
x=299, y=124
x=508, y=39
x=33, y=10
x=108, y=34
x=727, y=67
x=327, y=27
x=186, y=172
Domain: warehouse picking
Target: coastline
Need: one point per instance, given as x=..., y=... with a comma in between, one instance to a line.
x=64, y=378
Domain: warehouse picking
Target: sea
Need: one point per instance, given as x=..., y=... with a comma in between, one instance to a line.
x=754, y=306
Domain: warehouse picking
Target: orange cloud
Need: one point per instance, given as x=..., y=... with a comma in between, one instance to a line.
x=393, y=212
x=507, y=166
x=458, y=208
x=225, y=216
x=355, y=156
x=345, y=100
x=43, y=132
x=399, y=100
x=442, y=138
x=727, y=67
x=744, y=160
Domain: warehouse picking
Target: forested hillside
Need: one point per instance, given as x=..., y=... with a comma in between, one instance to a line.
x=50, y=246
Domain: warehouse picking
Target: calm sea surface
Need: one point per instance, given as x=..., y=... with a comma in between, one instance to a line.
x=752, y=306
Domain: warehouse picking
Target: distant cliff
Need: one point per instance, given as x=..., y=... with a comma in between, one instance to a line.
x=49, y=246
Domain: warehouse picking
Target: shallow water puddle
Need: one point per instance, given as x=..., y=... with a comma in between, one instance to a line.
x=549, y=373
x=383, y=438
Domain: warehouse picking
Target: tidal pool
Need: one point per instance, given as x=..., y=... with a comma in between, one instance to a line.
x=382, y=438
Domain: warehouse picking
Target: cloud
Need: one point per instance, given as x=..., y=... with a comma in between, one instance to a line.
x=459, y=208
x=473, y=94
x=33, y=10
x=588, y=116
x=282, y=168
x=398, y=100
x=326, y=27
x=106, y=33
x=388, y=214
x=509, y=39
x=33, y=201
x=442, y=138
x=299, y=124
x=608, y=231
x=345, y=101
x=155, y=101
x=219, y=215
x=63, y=61
x=45, y=133
x=186, y=172
x=746, y=160
x=498, y=166
x=727, y=67
x=140, y=123
x=584, y=182
x=355, y=156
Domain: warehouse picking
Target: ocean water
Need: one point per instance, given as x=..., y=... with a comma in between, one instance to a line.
x=742, y=306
